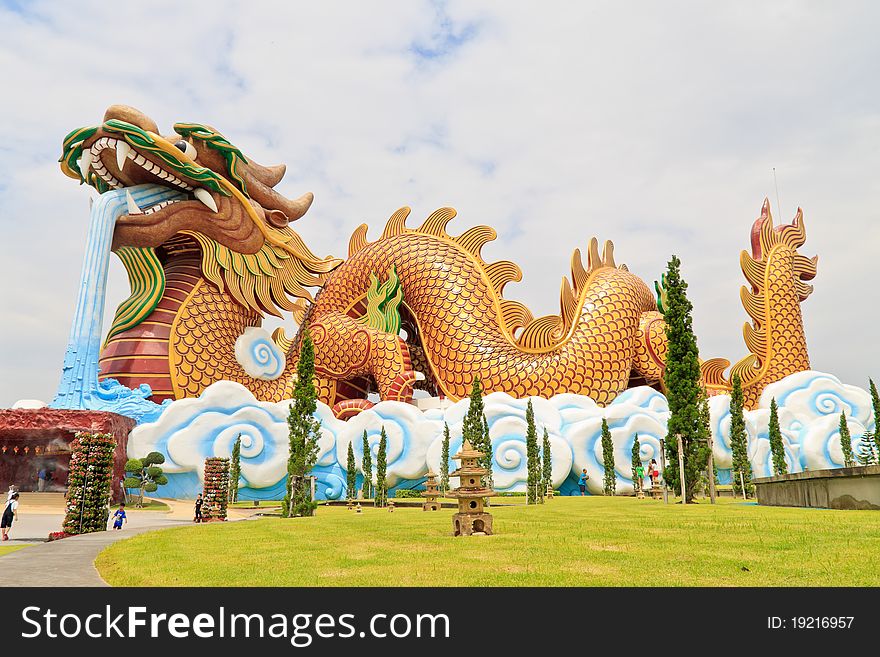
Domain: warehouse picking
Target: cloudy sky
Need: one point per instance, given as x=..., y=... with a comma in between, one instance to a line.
x=656, y=125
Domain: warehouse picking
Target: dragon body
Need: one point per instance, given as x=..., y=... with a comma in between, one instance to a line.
x=417, y=308
x=461, y=327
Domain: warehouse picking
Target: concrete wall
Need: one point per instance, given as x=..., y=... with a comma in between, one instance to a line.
x=840, y=488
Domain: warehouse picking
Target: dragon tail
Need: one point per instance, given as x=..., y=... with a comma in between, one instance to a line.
x=775, y=337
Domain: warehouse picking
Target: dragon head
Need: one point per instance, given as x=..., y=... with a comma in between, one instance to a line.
x=231, y=211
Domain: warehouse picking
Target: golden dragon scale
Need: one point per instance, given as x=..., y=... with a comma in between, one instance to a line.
x=415, y=308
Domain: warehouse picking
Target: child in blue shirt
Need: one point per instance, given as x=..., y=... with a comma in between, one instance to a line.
x=582, y=482
x=119, y=517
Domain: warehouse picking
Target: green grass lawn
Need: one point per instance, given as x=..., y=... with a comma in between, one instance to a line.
x=571, y=541
x=251, y=504
x=149, y=505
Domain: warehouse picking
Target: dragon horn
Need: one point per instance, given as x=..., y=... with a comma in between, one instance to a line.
x=269, y=176
x=272, y=200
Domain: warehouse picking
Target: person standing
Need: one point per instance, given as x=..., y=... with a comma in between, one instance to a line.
x=654, y=472
x=582, y=482
x=119, y=518
x=41, y=479
x=199, y=502
x=10, y=513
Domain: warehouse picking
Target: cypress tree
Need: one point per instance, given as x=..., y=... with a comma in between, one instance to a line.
x=741, y=468
x=367, y=467
x=636, y=463
x=540, y=492
x=705, y=436
x=547, y=461
x=472, y=428
x=381, y=462
x=235, y=470
x=609, y=481
x=875, y=403
x=846, y=443
x=867, y=450
x=304, y=435
x=777, y=451
x=351, y=475
x=681, y=379
x=444, y=461
x=531, y=456
x=486, y=448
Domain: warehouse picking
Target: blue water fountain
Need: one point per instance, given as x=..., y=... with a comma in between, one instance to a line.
x=79, y=388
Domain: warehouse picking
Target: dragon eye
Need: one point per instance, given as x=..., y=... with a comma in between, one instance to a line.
x=188, y=149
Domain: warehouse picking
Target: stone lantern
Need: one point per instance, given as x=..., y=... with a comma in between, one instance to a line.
x=471, y=518
x=431, y=493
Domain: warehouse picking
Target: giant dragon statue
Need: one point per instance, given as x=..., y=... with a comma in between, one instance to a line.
x=417, y=307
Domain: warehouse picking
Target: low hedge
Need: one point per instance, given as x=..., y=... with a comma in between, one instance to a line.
x=408, y=493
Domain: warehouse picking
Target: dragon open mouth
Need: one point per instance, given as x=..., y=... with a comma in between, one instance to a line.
x=112, y=163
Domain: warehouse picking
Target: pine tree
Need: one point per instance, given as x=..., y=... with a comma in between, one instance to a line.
x=367, y=467
x=741, y=471
x=235, y=470
x=609, y=481
x=531, y=456
x=846, y=443
x=777, y=450
x=867, y=450
x=304, y=434
x=875, y=403
x=682, y=382
x=144, y=474
x=350, y=475
x=444, y=461
x=547, y=461
x=636, y=463
x=381, y=497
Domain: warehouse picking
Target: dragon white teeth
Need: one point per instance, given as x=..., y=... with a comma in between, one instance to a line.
x=122, y=151
x=132, y=206
x=85, y=163
x=205, y=197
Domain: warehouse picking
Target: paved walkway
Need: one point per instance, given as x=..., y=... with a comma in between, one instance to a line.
x=71, y=561
x=68, y=562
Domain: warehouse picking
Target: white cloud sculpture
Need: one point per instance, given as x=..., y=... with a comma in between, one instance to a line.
x=810, y=404
x=192, y=429
x=257, y=353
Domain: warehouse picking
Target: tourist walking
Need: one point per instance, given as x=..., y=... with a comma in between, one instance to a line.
x=119, y=518
x=640, y=476
x=13, y=489
x=42, y=475
x=10, y=513
x=199, y=502
x=582, y=482
x=653, y=471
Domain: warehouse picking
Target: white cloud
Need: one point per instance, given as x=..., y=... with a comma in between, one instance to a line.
x=655, y=125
